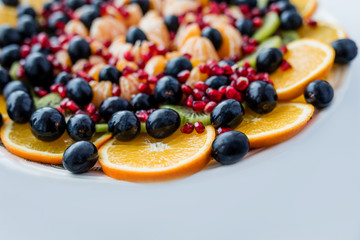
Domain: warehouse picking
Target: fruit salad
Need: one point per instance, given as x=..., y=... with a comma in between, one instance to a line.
x=156, y=90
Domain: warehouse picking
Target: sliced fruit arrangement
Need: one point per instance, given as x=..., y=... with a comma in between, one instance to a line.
x=154, y=89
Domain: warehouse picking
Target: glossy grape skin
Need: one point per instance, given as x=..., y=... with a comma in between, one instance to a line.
x=213, y=35
x=291, y=20
x=1, y=120
x=245, y=27
x=135, y=34
x=89, y=16
x=250, y=3
x=112, y=105
x=144, y=5
x=62, y=78
x=177, y=64
x=229, y=113
x=78, y=48
x=172, y=23
x=47, y=124
x=162, y=123
x=345, y=50
x=80, y=91
x=269, y=60
x=110, y=73
x=80, y=157
x=124, y=125
x=74, y=4
x=4, y=78
x=38, y=70
x=319, y=93
x=261, y=97
x=81, y=127
x=168, y=91
x=19, y=106
x=25, y=10
x=27, y=26
x=230, y=147
x=55, y=18
x=9, y=54
x=9, y=35
x=15, y=86
x=215, y=82
x=143, y=101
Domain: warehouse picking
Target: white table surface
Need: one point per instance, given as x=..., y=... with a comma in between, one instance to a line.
x=305, y=189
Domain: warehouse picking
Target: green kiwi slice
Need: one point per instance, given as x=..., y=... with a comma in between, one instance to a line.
x=289, y=36
x=51, y=100
x=269, y=27
x=187, y=115
x=262, y=3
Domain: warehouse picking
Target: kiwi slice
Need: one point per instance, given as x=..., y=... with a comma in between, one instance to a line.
x=289, y=36
x=269, y=27
x=272, y=42
x=13, y=69
x=187, y=115
x=262, y=3
x=52, y=100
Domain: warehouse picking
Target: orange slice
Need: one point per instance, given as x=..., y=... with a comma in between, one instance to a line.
x=146, y=159
x=310, y=60
x=306, y=8
x=19, y=140
x=284, y=122
x=324, y=31
x=3, y=108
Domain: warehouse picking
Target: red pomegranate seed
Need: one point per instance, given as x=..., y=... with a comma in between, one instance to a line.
x=66, y=69
x=63, y=103
x=127, y=70
x=241, y=83
x=43, y=40
x=201, y=86
x=62, y=91
x=199, y=127
x=285, y=65
x=198, y=94
x=55, y=87
x=115, y=90
x=189, y=101
x=95, y=117
x=284, y=49
x=227, y=70
x=50, y=58
x=232, y=93
x=187, y=90
x=144, y=88
x=214, y=95
x=245, y=9
x=242, y=71
x=204, y=68
x=183, y=76
x=188, y=56
x=150, y=111
x=90, y=109
x=222, y=89
x=142, y=115
x=256, y=12
x=113, y=61
x=248, y=48
x=216, y=70
x=205, y=99
x=257, y=22
x=210, y=107
x=198, y=106
x=24, y=51
x=107, y=43
x=221, y=130
x=142, y=74
x=128, y=56
x=246, y=64
x=152, y=47
x=72, y=106
x=187, y=128
x=161, y=50
x=40, y=92
x=79, y=112
x=251, y=71
x=274, y=8
x=60, y=110
x=87, y=66
x=153, y=80
x=252, y=41
x=311, y=22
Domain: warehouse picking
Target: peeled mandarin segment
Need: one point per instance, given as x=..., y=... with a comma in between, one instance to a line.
x=3, y=107
x=129, y=86
x=200, y=48
x=8, y=15
x=232, y=41
x=146, y=159
x=185, y=32
x=155, y=29
x=107, y=28
x=19, y=140
x=101, y=91
x=155, y=65
x=121, y=64
x=323, y=31
x=76, y=27
x=135, y=15
x=174, y=7
x=310, y=60
x=306, y=8
x=284, y=122
x=95, y=70
x=63, y=57
x=196, y=76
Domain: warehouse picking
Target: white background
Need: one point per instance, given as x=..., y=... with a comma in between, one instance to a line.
x=307, y=188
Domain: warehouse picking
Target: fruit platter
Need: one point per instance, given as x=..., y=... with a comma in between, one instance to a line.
x=157, y=90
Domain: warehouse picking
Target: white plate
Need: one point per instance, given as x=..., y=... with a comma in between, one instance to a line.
x=305, y=188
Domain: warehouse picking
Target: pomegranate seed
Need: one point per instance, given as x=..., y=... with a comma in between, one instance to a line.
x=210, y=107
x=232, y=93
x=285, y=65
x=256, y=12
x=204, y=68
x=63, y=103
x=284, y=49
x=198, y=106
x=72, y=106
x=115, y=90
x=311, y=22
x=144, y=88
x=113, y=61
x=246, y=64
x=150, y=111
x=222, y=130
x=187, y=90
x=55, y=87
x=66, y=69
x=43, y=40
x=40, y=92
x=60, y=110
x=222, y=89
x=128, y=56
x=252, y=41
x=242, y=71
x=205, y=99
x=187, y=128
x=216, y=70
x=107, y=43
x=142, y=115
x=199, y=127
x=183, y=76
x=161, y=50
x=188, y=56
x=142, y=74
x=79, y=112
x=248, y=48
x=257, y=22
x=62, y=91
x=241, y=83
x=90, y=109
x=50, y=58
x=227, y=70
x=198, y=94
x=87, y=66
x=245, y=9
x=127, y=70
x=153, y=80
x=214, y=95
x=274, y=8
x=24, y=51
x=251, y=71
x=95, y=117
x=201, y=86
x=189, y=101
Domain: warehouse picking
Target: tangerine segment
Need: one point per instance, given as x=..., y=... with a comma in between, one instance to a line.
x=146, y=159
x=3, y=108
x=8, y=15
x=284, y=122
x=306, y=8
x=310, y=60
x=19, y=140
x=324, y=31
